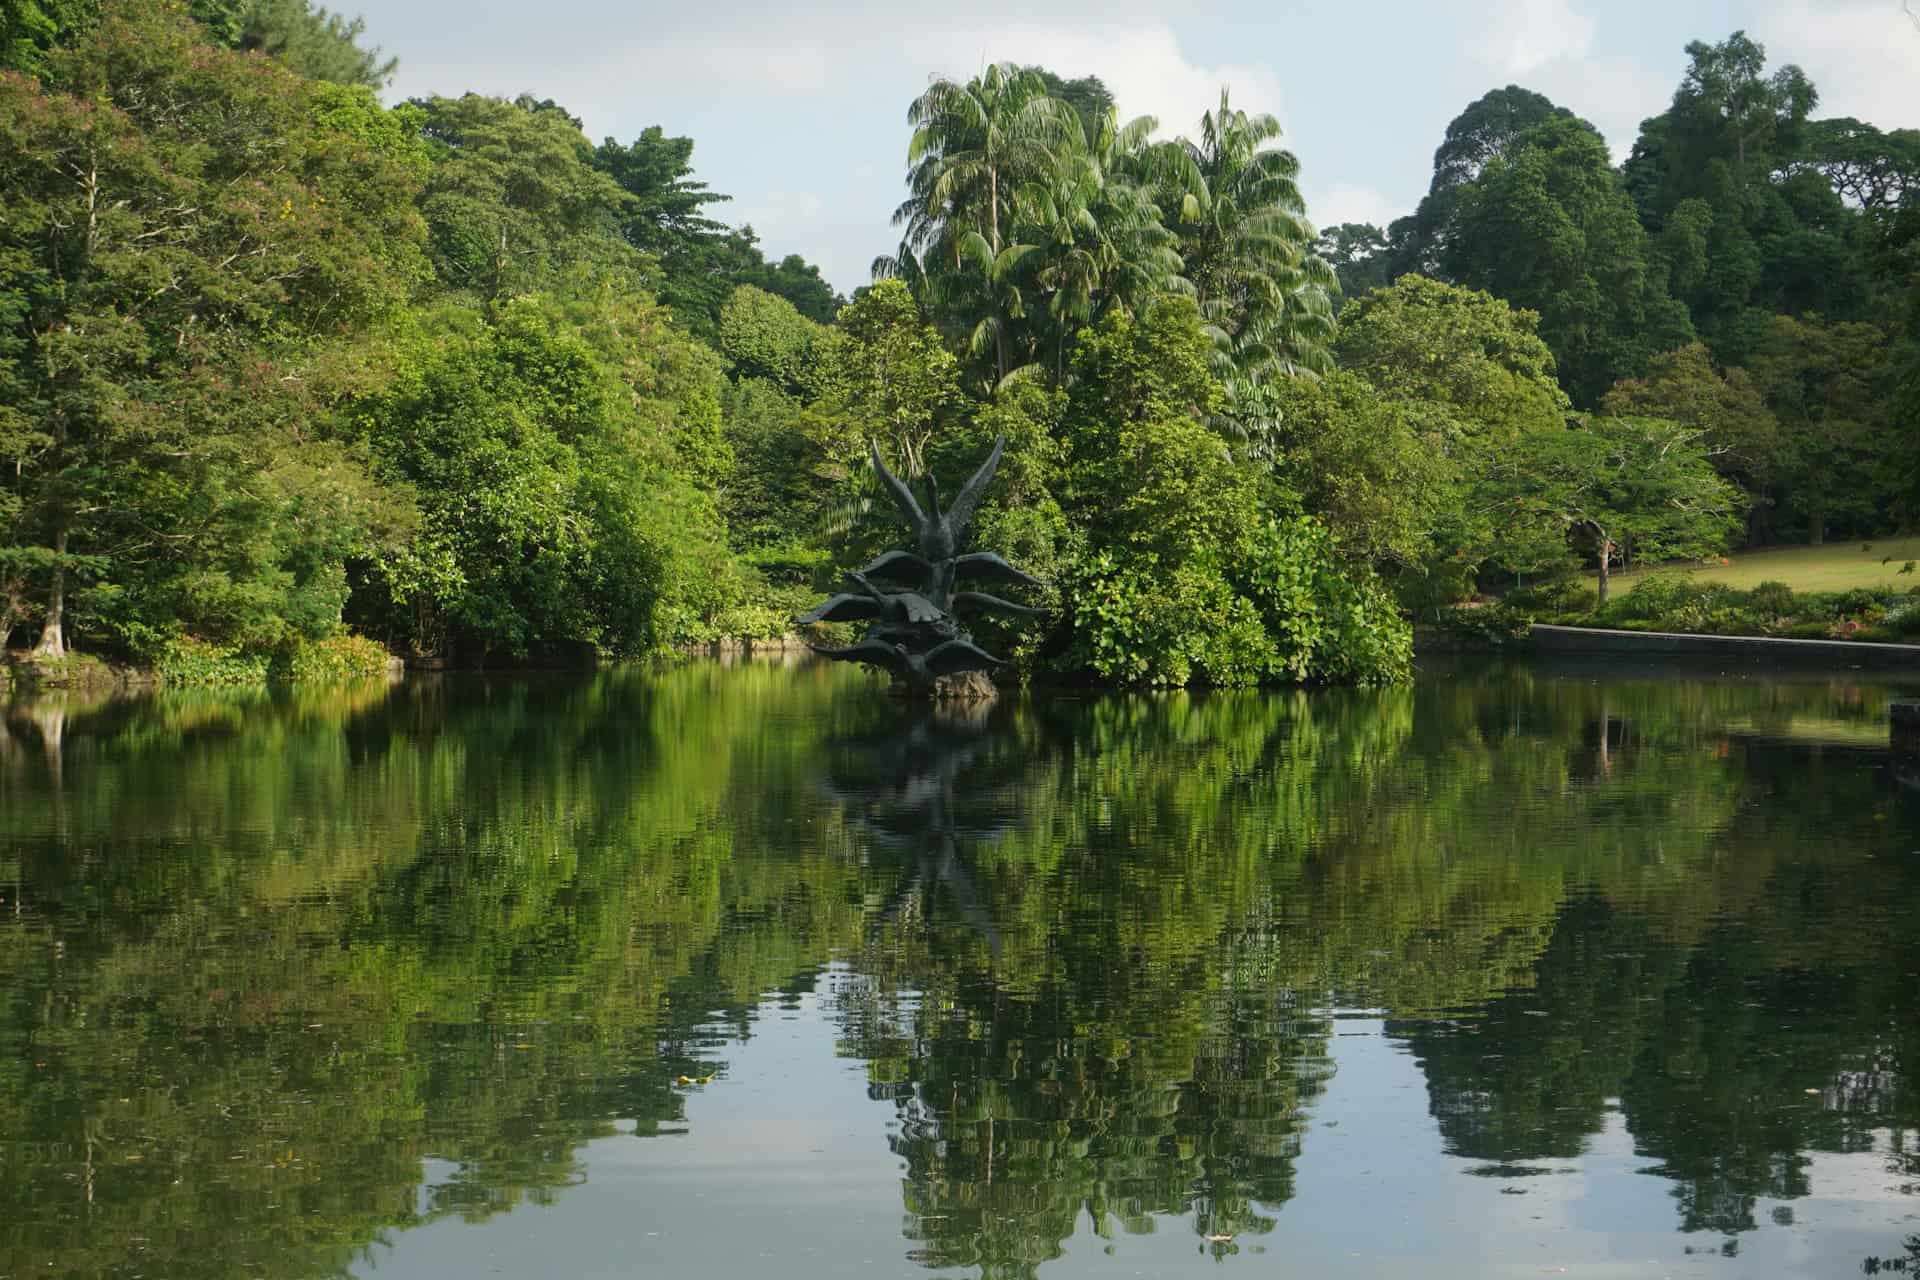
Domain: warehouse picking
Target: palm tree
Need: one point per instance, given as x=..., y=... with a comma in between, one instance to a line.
x=1248, y=247
x=1102, y=241
x=975, y=145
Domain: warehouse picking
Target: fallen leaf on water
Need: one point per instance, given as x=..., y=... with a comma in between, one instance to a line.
x=1219, y=1239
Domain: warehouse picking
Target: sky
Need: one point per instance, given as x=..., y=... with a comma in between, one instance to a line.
x=798, y=111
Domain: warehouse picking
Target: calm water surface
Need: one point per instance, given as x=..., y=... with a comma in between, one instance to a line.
x=742, y=972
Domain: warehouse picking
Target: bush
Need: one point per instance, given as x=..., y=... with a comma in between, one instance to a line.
x=188, y=660
x=1656, y=596
x=1903, y=618
x=334, y=659
x=1494, y=626
x=1287, y=610
x=1664, y=602
x=1563, y=595
x=1861, y=603
x=1772, y=599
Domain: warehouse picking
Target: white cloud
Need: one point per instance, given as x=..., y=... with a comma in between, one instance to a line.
x=1529, y=34
x=1350, y=202
x=1145, y=67
x=1864, y=58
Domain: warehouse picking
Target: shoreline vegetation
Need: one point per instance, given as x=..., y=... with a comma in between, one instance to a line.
x=294, y=379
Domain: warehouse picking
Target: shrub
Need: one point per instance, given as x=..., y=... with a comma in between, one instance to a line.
x=1772, y=600
x=331, y=660
x=1287, y=610
x=1860, y=602
x=1561, y=595
x=188, y=660
x=1903, y=618
x=1494, y=626
x=1655, y=596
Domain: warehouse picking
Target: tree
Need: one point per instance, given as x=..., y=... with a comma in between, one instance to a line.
x=1183, y=572
x=183, y=229
x=1638, y=487
x=29, y=29
x=700, y=260
x=1870, y=169
x=564, y=449
x=1098, y=235
x=1089, y=97
x=1722, y=404
x=1727, y=111
x=1428, y=343
x=1247, y=248
x=1742, y=241
x=1360, y=463
x=1825, y=385
x=975, y=145
x=796, y=280
x=513, y=201
x=666, y=215
x=887, y=374
x=313, y=42
x=1546, y=225
x=1470, y=378
x=763, y=336
x=1485, y=131
x=1359, y=253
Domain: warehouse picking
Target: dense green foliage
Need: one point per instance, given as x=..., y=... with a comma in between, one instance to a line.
x=276, y=358
x=277, y=361
x=1669, y=601
x=1784, y=241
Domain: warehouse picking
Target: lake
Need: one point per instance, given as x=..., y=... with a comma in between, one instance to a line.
x=747, y=970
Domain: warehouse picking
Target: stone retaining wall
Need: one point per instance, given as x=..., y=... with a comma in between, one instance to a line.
x=1761, y=649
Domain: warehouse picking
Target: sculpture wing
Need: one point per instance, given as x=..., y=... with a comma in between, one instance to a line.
x=901, y=566
x=981, y=602
x=902, y=496
x=986, y=564
x=842, y=608
x=960, y=655
x=960, y=514
x=918, y=607
x=871, y=652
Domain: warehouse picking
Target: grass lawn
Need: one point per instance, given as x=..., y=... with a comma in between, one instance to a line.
x=1837, y=566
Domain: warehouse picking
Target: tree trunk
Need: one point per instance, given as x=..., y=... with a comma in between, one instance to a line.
x=53, y=640
x=993, y=215
x=1816, y=523
x=1606, y=557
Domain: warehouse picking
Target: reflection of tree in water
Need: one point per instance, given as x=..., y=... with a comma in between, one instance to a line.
x=1734, y=1044
x=268, y=954
x=1083, y=943
x=1040, y=1071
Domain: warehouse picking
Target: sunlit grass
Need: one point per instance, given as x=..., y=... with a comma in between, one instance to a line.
x=1837, y=566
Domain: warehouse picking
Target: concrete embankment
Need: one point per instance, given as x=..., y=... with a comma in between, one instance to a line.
x=1760, y=649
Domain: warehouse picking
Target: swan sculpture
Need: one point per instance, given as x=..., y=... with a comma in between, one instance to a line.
x=917, y=636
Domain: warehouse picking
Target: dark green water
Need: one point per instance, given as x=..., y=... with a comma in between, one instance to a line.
x=738, y=971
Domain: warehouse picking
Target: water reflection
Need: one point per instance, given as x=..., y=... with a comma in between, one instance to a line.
x=284, y=977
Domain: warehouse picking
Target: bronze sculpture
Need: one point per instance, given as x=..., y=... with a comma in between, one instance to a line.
x=917, y=636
